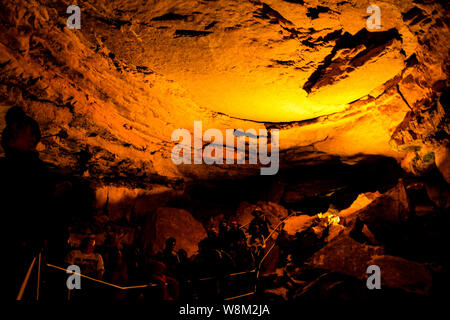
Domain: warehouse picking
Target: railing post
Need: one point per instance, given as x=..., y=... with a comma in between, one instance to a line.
x=38, y=276
x=25, y=281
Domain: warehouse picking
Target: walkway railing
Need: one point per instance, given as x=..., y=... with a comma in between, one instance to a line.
x=25, y=281
x=101, y=281
x=264, y=258
x=39, y=259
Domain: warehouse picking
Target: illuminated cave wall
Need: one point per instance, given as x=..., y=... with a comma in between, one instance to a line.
x=356, y=110
x=137, y=70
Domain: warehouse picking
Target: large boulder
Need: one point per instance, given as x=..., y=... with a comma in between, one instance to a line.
x=377, y=216
x=333, y=287
x=387, y=213
x=345, y=255
x=442, y=160
x=439, y=194
x=400, y=273
x=334, y=231
x=363, y=200
x=177, y=223
x=298, y=224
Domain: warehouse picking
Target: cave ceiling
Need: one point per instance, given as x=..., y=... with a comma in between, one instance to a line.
x=137, y=70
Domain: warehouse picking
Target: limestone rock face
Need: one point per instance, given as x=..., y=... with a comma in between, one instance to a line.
x=303, y=190
x=123, y=203
x=400, y=273
x=361, y=201
x=345, y=255
x=138, y=70
x=297, y=224
x=386, y=213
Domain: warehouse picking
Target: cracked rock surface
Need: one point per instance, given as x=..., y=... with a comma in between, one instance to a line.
x=137, y=70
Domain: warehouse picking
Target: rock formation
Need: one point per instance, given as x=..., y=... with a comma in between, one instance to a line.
x=362, y=114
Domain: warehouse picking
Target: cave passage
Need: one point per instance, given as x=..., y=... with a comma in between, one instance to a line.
x=258, y=153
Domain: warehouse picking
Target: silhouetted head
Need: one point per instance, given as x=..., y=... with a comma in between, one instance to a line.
x=21, y=134
x=88, y=245
x=170, y=243
x=14, y=114
x=257, y=213
x=212, y=232
x=182, y=254
x=202, y=246
x=223, y=223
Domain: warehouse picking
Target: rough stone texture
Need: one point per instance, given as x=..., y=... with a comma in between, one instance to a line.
x=307, y=189
x=361, y=201
x=297, y=224
x=334, y=231
x=177, y=223
x=400, y=273
x=442, y=160
x=123, y=203
x=137, y=70
x=345, y=255
x=386, y=212
x=439, y=195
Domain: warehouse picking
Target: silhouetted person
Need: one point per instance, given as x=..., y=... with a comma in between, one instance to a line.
x=170, y=256
x=284, y=244
x=261, y=221
x=223, y=227
x=257, y=241
x=234, y=235
x=90, y=263
x=26, y=193
x=242, y=256
x=167, y=287
x=115, y=260
x=184, y=266
x=213, y=241
x=223, y=232
x=184, y=274
x=211, y=262
x=257, y=238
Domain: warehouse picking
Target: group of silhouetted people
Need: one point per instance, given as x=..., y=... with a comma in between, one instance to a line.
x=27, y=196
x=224, y=251
x=171, y=272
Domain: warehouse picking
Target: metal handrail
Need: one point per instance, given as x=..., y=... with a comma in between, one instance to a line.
x=39, y=257
x=262, y=260
x=38, y=276
x=101, y=281
x=278, y=225
x=25, y=280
